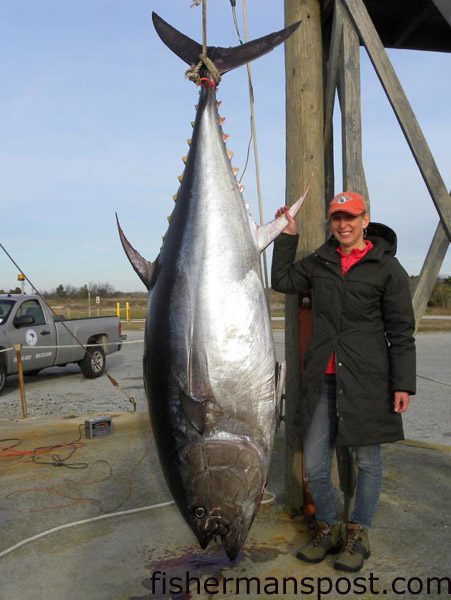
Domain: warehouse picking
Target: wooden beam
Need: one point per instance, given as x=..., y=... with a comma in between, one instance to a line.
x=351, y=116
x=403, y=111
x=429, y=272
x=305, y=157
x=332, y=74
x=331, y=78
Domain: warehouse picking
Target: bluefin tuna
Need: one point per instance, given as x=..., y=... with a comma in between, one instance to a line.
x=210, y=371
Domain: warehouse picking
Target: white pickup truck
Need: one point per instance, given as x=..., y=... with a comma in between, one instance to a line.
x=47, y=339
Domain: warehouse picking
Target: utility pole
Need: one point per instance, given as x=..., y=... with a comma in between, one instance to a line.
x=305, y=162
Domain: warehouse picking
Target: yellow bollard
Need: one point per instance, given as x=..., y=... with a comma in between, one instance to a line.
x=127, y=311
x=118, y=309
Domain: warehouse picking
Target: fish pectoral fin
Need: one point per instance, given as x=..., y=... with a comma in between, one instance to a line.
x=143, y=267
x=267, y=233
x=195, y=411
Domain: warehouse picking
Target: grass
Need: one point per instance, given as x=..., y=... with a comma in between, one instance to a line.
x=75, y=308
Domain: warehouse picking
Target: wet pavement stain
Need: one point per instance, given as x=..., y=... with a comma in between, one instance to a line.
x=179, y=578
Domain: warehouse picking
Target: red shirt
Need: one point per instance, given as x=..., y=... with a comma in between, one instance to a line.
x=347, y=260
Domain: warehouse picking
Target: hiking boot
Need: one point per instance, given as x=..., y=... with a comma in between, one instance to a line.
x=355, y=549
x=326, y=539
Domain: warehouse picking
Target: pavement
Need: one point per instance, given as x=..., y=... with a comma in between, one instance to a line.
x=102, y=527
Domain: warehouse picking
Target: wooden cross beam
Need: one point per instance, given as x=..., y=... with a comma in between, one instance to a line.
x=403, y=111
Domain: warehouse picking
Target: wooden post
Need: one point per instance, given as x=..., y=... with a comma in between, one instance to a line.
x=18, y=349
x=351, y=117
x=305, y=158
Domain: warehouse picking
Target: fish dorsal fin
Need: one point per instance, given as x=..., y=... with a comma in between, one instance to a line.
x=143, y=267
x=225, y=59
x=267, y=233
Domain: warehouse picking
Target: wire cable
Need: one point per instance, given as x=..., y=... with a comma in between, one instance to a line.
x=253, y=137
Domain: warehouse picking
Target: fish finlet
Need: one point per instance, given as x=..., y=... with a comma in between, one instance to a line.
x=218, y=103
x=226, y=136
x=235, y=170
x=180, y=178
x=188, y=141
x=185, y=159
x=221, y=120
x=230, y=154
x=174, y=197
x=193, y=123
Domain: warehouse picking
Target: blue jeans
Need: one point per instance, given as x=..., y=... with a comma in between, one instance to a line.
x=319, y=446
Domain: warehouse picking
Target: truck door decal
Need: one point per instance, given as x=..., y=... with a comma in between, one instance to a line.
x=31, y=337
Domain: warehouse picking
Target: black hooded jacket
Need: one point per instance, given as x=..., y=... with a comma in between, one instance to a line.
x=366, y=317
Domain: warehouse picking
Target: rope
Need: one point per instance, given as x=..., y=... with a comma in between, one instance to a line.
x=83, y=522
x=204, y=27
x=193, y=73
x=255, y=144
x=72, y=346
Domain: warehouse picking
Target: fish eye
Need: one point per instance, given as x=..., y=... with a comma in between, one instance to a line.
x=199, y=512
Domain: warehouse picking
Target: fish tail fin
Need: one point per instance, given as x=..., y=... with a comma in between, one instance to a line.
x=225, y=59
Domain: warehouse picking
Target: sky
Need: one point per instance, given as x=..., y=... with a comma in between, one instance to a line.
x=94, y=116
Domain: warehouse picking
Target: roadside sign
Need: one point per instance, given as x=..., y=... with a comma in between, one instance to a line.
x=97, y=299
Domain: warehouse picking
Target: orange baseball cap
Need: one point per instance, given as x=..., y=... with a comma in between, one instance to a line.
x=348, y=202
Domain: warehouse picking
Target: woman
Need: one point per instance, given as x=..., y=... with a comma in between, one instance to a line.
x=359, y=369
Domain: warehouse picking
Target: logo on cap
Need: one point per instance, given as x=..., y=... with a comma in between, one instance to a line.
x=342, y=199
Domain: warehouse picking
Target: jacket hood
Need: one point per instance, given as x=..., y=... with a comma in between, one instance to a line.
x=382, y=237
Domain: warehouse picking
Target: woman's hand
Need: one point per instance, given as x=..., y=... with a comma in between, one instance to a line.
x=291, y=228
x=402, y=400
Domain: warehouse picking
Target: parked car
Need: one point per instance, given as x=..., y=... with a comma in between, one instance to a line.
x=48, y=340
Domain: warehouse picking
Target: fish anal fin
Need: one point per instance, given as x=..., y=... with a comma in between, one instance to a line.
x=144, y=268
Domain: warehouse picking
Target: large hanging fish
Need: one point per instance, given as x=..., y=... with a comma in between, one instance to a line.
x=210, y=370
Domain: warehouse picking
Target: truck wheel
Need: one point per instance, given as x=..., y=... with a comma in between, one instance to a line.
x=93, y=363
x=2, y=376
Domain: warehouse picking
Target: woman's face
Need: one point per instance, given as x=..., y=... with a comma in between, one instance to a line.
x=348, y=229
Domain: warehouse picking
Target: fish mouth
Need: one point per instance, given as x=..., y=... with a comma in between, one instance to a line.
x=232, y=532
